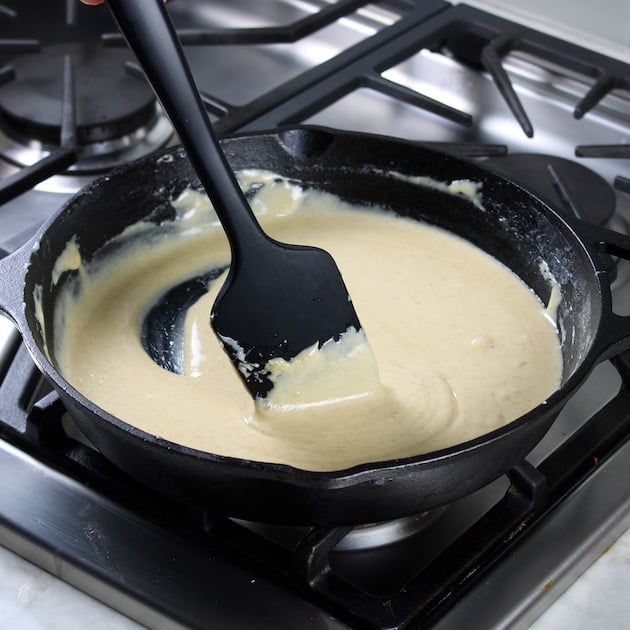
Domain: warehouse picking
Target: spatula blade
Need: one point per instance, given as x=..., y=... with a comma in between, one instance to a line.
x=279, y=306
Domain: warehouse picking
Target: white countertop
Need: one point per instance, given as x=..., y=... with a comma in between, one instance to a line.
x=598, y=599
x=31, y=599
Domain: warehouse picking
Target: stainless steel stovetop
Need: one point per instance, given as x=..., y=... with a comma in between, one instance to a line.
x=400, y=68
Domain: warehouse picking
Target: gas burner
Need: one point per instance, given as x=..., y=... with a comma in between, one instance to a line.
x=109, y=103
x=567, y=186
x=359, y=538
x=386, y=533
x=71, y=92
x=116, y=116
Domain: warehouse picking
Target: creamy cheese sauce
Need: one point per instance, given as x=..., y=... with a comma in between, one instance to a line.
x=461, y=344
x=320, y=375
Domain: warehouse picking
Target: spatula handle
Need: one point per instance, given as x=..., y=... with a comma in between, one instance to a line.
x=149, y=32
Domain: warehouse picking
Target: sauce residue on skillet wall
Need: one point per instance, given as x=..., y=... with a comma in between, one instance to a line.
x=462, y=345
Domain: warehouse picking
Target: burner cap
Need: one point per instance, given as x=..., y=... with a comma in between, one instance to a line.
x=359, y=538
x=109, y=102
x=569, y=187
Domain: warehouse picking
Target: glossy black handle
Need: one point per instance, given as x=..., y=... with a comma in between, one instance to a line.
x=12, y=270
x=149, y=32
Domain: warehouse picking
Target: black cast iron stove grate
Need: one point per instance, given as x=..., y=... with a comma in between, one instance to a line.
x=131, y=540
x=160, y=561
x=471, y=36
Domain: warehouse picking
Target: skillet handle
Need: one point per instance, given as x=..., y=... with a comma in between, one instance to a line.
x=614, y=334
x=12, y=269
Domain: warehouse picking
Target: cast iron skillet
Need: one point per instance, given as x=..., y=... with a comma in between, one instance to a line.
x=515, y=227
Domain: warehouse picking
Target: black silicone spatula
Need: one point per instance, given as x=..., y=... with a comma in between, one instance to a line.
x=278, y=299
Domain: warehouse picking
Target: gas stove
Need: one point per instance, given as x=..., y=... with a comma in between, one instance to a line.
x=550, y=114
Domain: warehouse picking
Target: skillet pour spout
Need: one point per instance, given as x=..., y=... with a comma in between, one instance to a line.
x=509, y=223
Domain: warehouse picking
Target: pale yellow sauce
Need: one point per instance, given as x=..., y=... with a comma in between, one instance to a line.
x=461, y=344
x=340, y=370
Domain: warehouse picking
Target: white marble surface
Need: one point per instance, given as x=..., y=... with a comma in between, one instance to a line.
x=599, y=599
x=31, y=599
